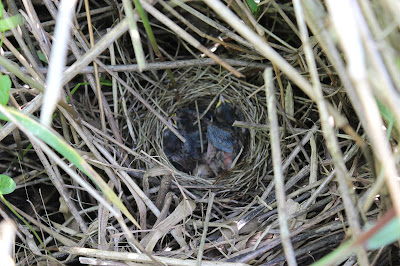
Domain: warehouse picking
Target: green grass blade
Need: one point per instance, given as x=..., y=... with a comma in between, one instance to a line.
x=54, y=140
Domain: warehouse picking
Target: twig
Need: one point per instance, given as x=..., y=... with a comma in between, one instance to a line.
x=329, y=134
x=278, y=171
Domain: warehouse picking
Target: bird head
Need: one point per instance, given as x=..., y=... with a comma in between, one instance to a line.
x=224, y=111
x=186, y=119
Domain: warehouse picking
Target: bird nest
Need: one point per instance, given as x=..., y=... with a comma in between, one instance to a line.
x=201, y=88
x=234, y=215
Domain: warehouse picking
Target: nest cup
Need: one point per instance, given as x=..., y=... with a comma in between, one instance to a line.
x=204, y=87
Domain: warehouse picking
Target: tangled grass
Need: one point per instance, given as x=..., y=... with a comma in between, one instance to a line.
x=316, y=168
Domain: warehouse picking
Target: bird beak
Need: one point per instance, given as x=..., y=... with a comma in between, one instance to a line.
x=221, y=101
x=172, y=121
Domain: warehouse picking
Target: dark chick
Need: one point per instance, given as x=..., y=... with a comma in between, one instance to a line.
x=224, y=140
x=185, y=156
x=186, y=123
x=174, y=149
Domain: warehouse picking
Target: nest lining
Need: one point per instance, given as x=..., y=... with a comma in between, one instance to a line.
x=204, y=87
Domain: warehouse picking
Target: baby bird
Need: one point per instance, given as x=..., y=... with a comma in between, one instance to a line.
x=185, y=121
x=174, y=149
x=224, y=140
x=185, y=156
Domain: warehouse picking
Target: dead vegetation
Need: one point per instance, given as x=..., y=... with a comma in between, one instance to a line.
x=333, y=164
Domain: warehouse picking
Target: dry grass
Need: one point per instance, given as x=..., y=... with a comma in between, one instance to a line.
x=331, y=173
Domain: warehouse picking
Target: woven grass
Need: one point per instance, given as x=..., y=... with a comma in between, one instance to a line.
x=329, y=149
x=203, y=87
